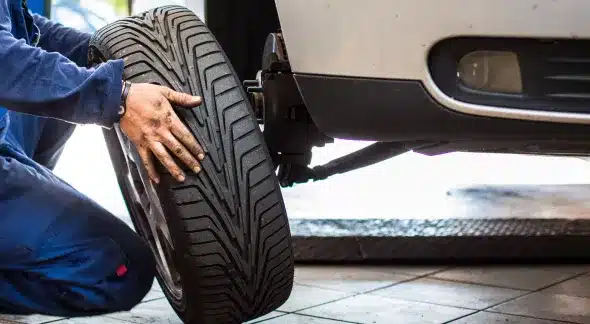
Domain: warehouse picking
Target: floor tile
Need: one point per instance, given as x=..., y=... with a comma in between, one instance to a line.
x=349, y=278
x=266, y=317
x=156, y=286
x=4, y=321
x=579, y=286
x=549, y=306
x=305, y=296
x=152, y=295
x=494, y=318
x=381, y=310
x=573, y=269
x=157, y=311
x=450, y=293
x=301, y=319
x=31, y=319
x=528, y=278
x=416, y=270
x=348, y=272
x=90, y=320
x=311, y=272
x=353, y=286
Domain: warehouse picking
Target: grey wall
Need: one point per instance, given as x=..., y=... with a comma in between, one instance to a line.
x=198, y=6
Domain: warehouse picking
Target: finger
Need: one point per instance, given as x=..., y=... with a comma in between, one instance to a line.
x=165, y=158
x=148, y=163
x=186, y=137
x=181, y=99
x=180, y=151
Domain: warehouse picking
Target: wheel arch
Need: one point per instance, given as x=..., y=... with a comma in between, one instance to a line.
x=241, y=28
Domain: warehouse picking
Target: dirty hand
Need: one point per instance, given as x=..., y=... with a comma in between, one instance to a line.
x=152, y=125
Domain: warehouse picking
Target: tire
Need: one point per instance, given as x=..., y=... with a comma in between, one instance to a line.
x=228, y=226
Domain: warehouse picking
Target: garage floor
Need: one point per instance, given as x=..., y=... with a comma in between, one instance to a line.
x=400, y=294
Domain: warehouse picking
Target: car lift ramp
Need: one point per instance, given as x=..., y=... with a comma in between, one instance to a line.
x=440, y=240
x=518, y=238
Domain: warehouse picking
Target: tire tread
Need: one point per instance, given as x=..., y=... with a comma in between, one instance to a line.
x=232, y=214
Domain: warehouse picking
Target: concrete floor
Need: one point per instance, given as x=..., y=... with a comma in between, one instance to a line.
x=404, y=294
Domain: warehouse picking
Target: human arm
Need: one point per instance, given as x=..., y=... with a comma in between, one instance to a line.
x=67, y=41
x=46, y=83
x=42, y=83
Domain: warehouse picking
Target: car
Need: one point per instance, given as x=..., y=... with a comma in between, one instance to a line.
x=281, y=77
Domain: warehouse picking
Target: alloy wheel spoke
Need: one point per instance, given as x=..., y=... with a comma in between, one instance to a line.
x=150, y=215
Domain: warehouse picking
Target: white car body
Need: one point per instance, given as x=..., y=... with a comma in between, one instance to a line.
x=391, y=39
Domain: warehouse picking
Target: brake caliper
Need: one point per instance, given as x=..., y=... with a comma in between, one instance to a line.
x=289, y=131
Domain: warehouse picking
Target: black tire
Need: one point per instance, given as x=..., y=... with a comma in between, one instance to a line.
x=228, y=224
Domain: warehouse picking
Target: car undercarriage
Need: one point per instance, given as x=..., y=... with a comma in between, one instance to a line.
x=420, y=125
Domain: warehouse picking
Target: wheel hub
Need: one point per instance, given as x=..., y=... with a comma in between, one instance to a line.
x=149, y=217
x=289, y=131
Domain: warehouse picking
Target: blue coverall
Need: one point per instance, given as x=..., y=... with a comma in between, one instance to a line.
x=60, y=252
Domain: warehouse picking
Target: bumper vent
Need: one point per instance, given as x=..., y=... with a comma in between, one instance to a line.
x=566, y=78
x=555, y=74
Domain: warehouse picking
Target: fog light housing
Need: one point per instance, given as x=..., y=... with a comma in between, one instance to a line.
x=490, y=71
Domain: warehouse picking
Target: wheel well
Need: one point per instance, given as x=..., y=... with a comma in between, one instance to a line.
x=241, y=27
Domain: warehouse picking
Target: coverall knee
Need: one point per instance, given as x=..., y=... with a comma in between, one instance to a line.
x=61, y=253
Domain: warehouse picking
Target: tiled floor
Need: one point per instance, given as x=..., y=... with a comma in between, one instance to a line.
x=404, y=294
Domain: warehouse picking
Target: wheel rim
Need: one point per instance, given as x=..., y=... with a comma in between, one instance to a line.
x=149, y=217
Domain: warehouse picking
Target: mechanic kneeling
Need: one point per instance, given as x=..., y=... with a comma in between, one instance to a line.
x=61, y=253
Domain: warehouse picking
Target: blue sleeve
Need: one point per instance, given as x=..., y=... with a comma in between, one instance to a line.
x=48, y=84
x=67, y=41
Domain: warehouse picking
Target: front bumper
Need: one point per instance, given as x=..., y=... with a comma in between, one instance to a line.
x=403, y=110
x=392, y=39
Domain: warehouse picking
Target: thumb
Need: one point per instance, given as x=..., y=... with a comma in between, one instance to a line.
x=181, y=99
